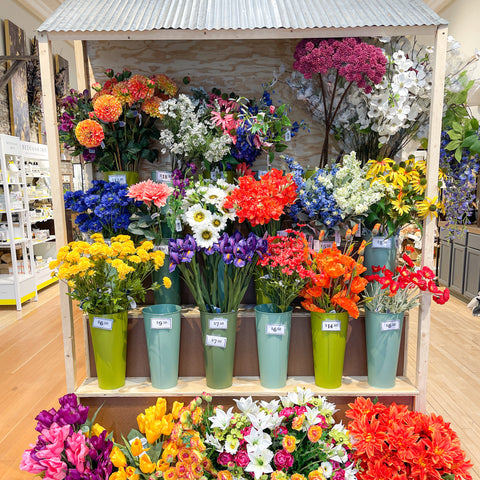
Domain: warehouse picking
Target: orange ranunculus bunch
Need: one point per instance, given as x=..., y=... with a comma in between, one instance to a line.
x=260, y=201
x=165, y=444
x=393, y=442
x=335, y=282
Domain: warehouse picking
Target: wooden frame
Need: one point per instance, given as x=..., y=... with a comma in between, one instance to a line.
x=440, y=35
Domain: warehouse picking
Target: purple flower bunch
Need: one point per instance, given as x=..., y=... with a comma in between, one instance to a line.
x=217, y=276
x=63, y=451
x=356, y=61
x=460, y=184
x=181, y=180
x=74, y=108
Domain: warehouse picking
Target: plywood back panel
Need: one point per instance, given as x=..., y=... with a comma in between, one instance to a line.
x=232, y=66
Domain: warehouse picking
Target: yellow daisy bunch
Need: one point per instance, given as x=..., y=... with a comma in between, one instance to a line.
x=107, y=277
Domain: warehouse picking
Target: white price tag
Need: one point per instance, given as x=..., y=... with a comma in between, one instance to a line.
x=162, y=248
x=331, y=326
x=161, y=323
x=282, y=233
x=215, y=341
x=261, y=173
x=338, y=238
x=275, y=329
x=359, y=231
x=163, y=176
x=144, y=444
x=316, y=245
x=178, y=225
x=218, y=323
x=213, y=175
x=288, y=135
x=326, y=245
x=121, y=179
x=102, y=323
x=381, y=242
x=391, y=325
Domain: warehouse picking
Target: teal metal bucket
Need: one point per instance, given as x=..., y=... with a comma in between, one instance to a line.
x=382, y=251
x=273, y=343
x=162, y=331
x=383, y=332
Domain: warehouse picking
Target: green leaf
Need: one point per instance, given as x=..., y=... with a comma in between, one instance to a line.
x=135, y=230
x=475, y=148
x=280, y=147
x=454, y=135
x=458, y=154
x=457, y=127
x=474, y=123
x=453, y=145
x=469, y=141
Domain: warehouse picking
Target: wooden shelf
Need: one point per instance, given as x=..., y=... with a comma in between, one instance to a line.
x=244, y=386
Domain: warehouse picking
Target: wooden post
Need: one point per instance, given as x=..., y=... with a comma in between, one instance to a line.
x=51, y=128
x=428, y=240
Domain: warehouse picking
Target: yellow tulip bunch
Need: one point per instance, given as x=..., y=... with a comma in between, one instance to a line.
x=405, y=184
x=165, y=444
x=107, y=278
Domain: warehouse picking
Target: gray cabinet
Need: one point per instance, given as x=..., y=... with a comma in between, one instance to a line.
x=459, y=263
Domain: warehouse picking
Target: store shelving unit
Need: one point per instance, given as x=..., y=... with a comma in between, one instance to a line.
x=37, y=172
x=18, y=285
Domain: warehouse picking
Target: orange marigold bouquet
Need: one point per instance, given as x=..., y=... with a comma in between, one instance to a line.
x=167, y=445
x=116, y=126
x=335, y=283
x=393, y=442
x=262, y=202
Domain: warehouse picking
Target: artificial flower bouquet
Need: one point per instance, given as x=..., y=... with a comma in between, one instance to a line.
x=335, y=282
x=263, y=202
x=104, y=208
x=121, y=120
x=107, y=278
x=218, y=275
x=342, y=65
x=295, y=437
x=404, y=201
x=399, y=291
x=147, y=221
x=394, y=442
x=284, y=274
x=337, y=195
x=204, y=210
x=167, y=445
x=69, y=445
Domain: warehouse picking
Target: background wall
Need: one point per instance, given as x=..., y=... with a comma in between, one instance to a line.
x=28, y=16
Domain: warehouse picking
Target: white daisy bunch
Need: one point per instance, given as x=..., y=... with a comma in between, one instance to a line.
x=188, y=133
x=204, y=211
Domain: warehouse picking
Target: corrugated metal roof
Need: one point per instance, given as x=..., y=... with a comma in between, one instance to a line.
x=148, y=15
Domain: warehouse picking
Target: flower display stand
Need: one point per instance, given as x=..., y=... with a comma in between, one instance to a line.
x=138, y=391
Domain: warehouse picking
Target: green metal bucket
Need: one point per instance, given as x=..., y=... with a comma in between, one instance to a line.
x=273, y=342
x=162, y=331
x=329, y=337
x=109, y=340
x=383, y=333
x=219, y=332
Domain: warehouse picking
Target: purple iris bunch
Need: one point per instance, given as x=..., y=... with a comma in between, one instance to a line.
x=460, y=184
x=103, y=208
x=63, y=451
x=217, y=276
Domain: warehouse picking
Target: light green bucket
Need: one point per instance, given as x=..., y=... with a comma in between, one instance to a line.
x=162, y=331
x=273, y=343
x=109, y=340
x=219, y=332
x=383, y=334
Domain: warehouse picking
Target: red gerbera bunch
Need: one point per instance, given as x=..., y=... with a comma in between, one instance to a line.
x=393, y=442
x=261, y=201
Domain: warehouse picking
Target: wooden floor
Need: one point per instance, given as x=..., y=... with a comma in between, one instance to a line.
x=32, y=373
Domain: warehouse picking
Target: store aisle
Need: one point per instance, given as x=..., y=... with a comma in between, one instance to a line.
x=33, y=378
